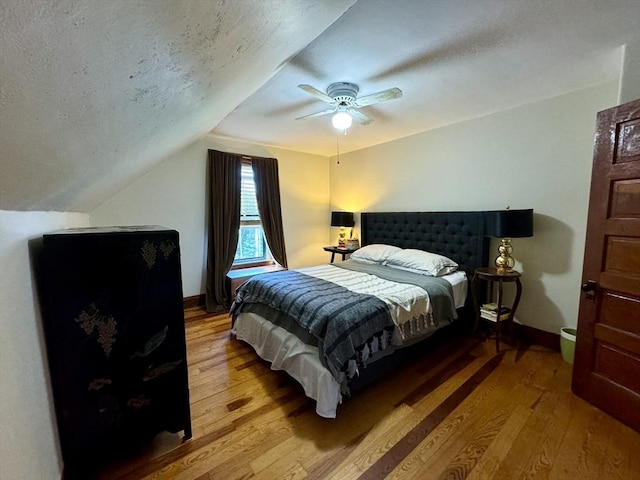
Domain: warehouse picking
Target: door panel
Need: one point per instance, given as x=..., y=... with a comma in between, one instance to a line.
x=622, y=312
x=628, y=141
x=607, y=360
x=626, y=199
x=620, y=255
x=616, y=364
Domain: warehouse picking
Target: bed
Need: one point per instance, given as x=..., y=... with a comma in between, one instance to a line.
x=336, y=328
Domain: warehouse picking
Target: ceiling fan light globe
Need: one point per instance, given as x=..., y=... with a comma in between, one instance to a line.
x=341, y=121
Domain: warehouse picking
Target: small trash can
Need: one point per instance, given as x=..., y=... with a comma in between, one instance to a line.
x=568, y=343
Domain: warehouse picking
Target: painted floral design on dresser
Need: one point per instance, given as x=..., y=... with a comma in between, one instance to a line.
x=97, y=383
x=150, y=249
x=138, y=402
x=154, y=342
x=154, y=372
x=167, y=248
x=91, y=320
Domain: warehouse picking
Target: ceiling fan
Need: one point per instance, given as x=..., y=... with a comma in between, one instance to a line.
x=344, y=101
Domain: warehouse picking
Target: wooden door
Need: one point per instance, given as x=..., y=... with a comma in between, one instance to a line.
x=607, y=360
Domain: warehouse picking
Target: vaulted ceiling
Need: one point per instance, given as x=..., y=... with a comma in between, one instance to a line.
x=95, y=93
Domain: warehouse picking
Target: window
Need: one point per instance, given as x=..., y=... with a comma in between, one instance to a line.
x=252, y=248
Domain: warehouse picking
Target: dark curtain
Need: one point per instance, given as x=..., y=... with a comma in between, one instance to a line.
x=224, y=224
x=265, y=176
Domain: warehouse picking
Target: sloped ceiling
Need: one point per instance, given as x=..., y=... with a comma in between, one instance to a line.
x=95, y=92
x=454, y=60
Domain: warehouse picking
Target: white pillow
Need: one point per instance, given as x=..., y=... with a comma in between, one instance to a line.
x=425, y=263
x=375, y=253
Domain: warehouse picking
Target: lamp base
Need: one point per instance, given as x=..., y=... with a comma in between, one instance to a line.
x=505, y=262
x=341, y=237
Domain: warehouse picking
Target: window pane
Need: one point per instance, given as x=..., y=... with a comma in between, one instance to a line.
x=251, y=244
x=248, y=203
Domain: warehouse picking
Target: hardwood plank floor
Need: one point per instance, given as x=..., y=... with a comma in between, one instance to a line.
x=461, y=411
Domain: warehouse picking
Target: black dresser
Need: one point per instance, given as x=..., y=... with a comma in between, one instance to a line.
x=113, y=319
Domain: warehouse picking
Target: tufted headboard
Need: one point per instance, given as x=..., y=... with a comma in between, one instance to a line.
x=457, y=235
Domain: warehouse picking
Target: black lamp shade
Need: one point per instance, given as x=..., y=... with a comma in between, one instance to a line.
x=342, y=219
x=509, y=223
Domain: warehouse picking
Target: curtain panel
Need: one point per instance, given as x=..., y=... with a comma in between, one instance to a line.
x=265, y=176
x=224, y=170
x=224, y=225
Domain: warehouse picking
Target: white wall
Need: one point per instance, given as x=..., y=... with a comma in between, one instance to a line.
x=173, y=195
x=535, y=156
x=28, y=444
x=630, y=78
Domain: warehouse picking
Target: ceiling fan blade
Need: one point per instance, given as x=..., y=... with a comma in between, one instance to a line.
x=382, y=96
x=317, y=114
x=360, y=117
x=316, y=93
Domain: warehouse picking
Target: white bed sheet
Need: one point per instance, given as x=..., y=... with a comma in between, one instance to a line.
x=458, y=281
x=287, y=352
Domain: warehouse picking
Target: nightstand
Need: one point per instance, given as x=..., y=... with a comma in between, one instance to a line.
x=343, y=251
x=492, y=276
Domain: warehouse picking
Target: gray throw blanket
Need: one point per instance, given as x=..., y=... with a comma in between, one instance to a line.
x=344, y=322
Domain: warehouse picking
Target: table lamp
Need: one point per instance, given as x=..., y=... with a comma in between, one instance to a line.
x=342, y=220
x=505, y=225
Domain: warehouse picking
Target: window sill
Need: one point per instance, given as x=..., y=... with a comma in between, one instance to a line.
x=263, y=263
x=237, y=277
x=240, y=272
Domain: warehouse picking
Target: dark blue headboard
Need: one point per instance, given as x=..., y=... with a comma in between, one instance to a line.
x=459, y=236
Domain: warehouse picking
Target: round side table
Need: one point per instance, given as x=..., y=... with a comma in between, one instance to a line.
x=491, y=275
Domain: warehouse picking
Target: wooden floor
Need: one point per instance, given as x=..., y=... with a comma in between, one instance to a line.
x=460, y=412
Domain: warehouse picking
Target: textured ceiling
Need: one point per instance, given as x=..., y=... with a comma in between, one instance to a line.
x=94, y=93
x=454, y=60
